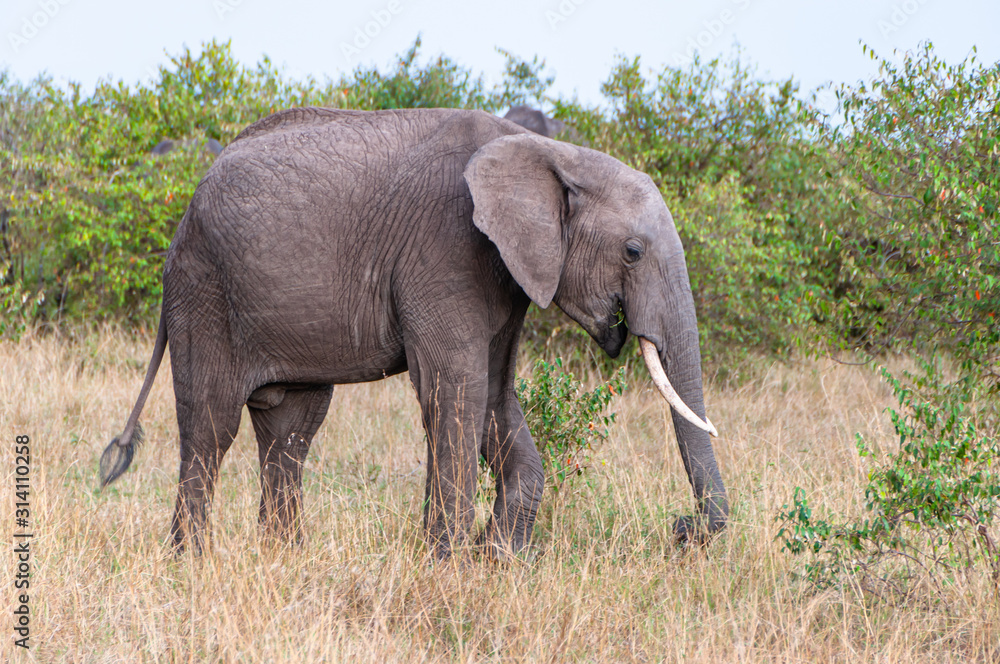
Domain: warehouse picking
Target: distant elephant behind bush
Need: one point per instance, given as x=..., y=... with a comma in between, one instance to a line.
x=534, y=120
x=211, y=146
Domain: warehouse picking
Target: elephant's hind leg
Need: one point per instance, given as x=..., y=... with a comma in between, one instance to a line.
x=284, y=433
x=208, y=415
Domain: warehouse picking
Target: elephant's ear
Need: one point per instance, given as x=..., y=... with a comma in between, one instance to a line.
x=520, y=192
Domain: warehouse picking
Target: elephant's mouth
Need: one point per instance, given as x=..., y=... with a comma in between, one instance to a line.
x=614, y=332
x=610, y=331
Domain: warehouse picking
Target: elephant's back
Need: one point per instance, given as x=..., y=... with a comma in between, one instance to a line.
x=404, y=128
x=294, y=118
x=313, y=186
x=332, y=172
x=321, y=205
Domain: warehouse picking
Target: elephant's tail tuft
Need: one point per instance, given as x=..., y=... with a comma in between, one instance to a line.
x=118, y=455
x=120, y=452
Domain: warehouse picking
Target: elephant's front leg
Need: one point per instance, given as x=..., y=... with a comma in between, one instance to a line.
x=514, y=460
x=453, y=403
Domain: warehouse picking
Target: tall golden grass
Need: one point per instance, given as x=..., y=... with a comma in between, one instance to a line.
x=604, y=581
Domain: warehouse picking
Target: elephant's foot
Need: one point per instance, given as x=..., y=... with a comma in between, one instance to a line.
x=698, y=530
x=446, y=543
x=460, y=552
x=493, y=547
x=276, y=533
x=503, y=544
x=182, y=541
x=189, y=527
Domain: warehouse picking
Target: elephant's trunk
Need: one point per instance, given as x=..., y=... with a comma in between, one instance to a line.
x=664, y=318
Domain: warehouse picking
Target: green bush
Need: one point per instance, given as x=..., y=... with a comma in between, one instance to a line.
x=932, y=506
x=920, y=153
x=918, y=165
x=565, y=421
x=443, y=83
x=89, y=211
x=749, y=273
x=868, y=229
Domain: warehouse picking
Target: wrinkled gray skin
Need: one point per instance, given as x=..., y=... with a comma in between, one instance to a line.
x=536, y=121
x=327, y=247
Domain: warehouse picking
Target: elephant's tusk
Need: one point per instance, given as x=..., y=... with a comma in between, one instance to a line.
x=659, y=376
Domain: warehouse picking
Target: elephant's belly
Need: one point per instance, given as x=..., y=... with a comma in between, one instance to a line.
x=320, y=349
x=315, y=311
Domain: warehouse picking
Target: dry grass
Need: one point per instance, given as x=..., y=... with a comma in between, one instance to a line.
x=605, y=582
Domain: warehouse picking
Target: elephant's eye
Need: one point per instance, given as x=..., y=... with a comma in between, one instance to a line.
x=633, y=251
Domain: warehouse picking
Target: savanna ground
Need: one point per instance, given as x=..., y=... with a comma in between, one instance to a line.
x=603, y=581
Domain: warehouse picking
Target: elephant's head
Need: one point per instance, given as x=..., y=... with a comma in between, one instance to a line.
x=582, y=229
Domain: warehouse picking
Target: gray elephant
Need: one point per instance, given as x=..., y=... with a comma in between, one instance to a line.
x=536, y=121
x=329, y=246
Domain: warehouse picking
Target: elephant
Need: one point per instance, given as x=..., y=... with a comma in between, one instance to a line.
x=329, y=246
x=536, y=121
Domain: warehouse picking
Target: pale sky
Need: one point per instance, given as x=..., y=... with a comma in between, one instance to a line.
x=816, y=42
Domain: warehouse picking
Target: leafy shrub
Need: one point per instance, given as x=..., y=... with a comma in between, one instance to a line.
x=89, y=211
x=749, y=273
x=931, y=506
x=566, y=422
x=919, y=161
x=920, y=152
x=876, y=228
x=443, y=83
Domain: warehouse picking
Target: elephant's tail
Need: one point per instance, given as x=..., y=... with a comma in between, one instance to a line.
x=119, y=453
